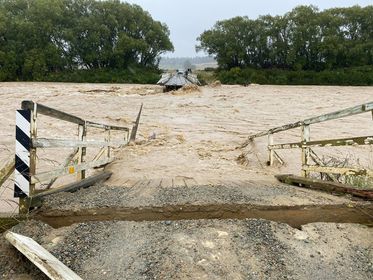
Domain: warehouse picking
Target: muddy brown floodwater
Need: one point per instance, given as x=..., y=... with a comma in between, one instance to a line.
x=177, y=204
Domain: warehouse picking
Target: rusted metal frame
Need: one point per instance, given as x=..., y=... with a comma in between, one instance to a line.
x=326, y=117
x=339, y=170
x=71, y=169
x=305, y=135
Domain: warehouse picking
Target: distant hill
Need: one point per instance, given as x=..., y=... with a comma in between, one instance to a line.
x=173, y=63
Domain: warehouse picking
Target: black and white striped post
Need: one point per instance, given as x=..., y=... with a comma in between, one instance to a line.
x=25, y=158
x=22, y=176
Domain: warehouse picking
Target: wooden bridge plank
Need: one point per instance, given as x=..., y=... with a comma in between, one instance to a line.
x=324, y=185
x=39, y=256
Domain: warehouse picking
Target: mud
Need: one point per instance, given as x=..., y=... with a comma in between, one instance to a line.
x=293, y=216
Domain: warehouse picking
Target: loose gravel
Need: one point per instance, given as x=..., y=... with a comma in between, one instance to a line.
x=205, y=249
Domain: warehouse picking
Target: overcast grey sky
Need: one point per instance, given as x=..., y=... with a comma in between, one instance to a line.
x=187, y=19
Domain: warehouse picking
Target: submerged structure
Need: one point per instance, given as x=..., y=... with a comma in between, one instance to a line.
x=174, y=81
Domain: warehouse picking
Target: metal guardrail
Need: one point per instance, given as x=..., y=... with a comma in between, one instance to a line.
x=306, y=145
x=27, y=143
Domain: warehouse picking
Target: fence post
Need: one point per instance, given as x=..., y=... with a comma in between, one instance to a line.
x=25, y=158
x=271, y=152
x=136, y=126
x=305, y=151
x=82, y=132
x=108, y=140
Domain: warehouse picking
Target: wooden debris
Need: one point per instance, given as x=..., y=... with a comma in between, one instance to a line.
x=321, y=185
x=39, y=256
x=7, y=170
x=136, y=126
x=85, y=183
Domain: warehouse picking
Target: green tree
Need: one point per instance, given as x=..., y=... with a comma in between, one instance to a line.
x=303, y=39
x=40, y=37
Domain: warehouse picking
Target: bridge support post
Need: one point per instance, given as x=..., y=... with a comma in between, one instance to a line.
x=270, y=150
x=82, y=132
x=305, y=150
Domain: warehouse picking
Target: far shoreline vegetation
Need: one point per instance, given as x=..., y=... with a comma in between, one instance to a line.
x=115, y=42
x=304, y=46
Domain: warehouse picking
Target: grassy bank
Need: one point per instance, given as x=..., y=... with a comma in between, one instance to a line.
x=359, y=76
x=133, y=75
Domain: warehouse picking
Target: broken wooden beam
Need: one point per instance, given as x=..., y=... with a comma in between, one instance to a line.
x=322, y=185
x=136, y=126
x=73, y=187
x=40, y=257
x=7, y=170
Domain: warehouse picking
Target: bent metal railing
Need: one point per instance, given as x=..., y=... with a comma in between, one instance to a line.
x=27, y=143
x=306, y=145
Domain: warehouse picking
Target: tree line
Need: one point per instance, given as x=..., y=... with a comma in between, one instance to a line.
x=113, y=41
x=41, y=38
x=302, y=39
